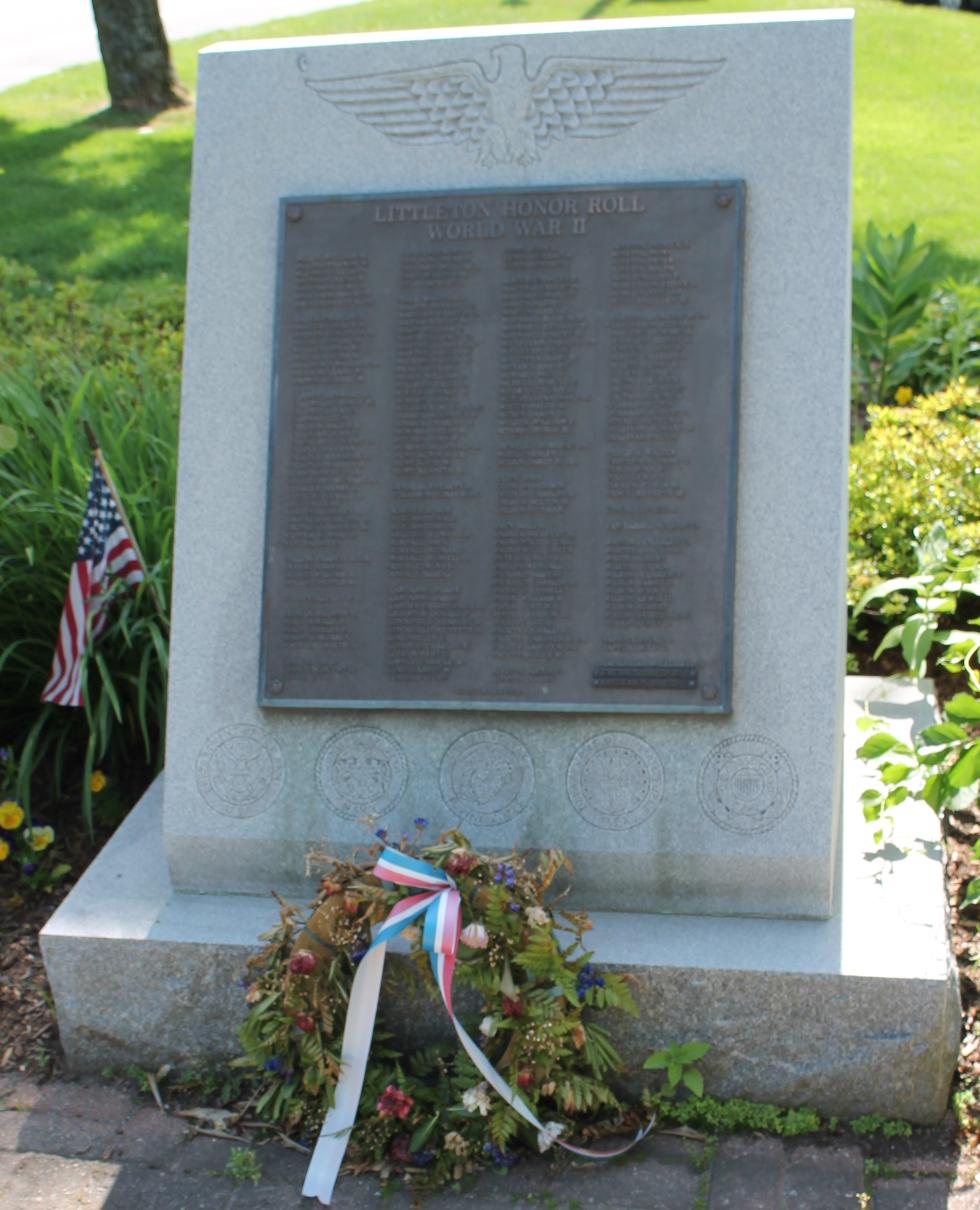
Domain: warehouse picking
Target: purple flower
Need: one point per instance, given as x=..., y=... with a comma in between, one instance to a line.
x=503, y=1159
x=273, y=1064
x=382, y=833
x=505, y=873
x=514, y=907
x=420, y=821
x=588, y=977
x=4, y=754
x=421, y=1158
x=29, y=867
x=358, y=954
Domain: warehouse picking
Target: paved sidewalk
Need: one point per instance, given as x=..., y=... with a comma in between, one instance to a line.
x=84, y=1145
x=42, y=36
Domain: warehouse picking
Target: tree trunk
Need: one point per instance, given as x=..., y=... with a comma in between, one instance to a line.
x=136, y=56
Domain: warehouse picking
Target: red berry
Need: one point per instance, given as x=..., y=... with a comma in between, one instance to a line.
x=525, y=1078
x=304, y=1022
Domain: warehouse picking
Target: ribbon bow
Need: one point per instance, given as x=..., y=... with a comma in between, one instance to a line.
x=439, y=900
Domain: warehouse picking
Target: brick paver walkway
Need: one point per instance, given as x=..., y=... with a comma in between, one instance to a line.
x=85, y=1145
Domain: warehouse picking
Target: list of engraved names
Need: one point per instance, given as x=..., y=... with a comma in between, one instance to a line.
x=503, y=450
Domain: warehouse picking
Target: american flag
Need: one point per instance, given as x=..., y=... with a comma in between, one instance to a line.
x=105, y=552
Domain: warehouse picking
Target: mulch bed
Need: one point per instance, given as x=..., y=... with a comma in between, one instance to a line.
x=28, y=1033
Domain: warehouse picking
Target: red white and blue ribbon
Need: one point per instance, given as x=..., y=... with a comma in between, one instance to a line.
x=439, y=901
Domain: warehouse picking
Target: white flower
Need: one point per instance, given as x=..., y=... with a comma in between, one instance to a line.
x=477, y=1098
x=547, y=1136
x=536, y=916
x=475, y=936
x=488, y=1027
x=455, y=1143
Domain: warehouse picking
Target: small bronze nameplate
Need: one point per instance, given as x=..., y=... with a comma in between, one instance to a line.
x=502, y=467
x=643, y=677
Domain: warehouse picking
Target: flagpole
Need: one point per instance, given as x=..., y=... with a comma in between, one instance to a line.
x=97, y=455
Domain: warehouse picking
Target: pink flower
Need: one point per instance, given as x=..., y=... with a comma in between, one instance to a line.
x=393, y=1103
x=302, y=962
x=460, y=862
x=475, y=936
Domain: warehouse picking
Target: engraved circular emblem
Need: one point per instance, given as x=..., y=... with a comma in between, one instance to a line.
x=747, y=784
x=240, y=771
x=361, y=771
x=615, y=781
x=486, y=777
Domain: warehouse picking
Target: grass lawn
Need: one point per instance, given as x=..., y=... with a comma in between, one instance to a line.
x=86, y=194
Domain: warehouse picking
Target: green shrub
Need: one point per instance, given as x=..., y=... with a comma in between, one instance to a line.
x=45, y=465
x=54, y=331
x=916, y=465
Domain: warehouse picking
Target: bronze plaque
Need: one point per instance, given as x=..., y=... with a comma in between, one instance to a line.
x=503, y=451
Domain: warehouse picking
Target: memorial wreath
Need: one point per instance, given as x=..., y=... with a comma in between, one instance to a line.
x=531, y=1064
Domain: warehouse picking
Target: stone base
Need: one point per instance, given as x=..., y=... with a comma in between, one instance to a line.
x=856, y=1014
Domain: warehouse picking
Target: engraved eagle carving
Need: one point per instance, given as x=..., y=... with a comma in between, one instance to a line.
x=506, y=115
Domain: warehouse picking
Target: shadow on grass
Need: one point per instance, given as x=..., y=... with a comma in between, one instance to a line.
x=95, y=198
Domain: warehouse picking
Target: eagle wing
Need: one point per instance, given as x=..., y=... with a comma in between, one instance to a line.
x=594, y=98
x=445, y=103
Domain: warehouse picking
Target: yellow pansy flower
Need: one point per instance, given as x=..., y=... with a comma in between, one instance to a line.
x=97, y=782
x=903, y=395
x=11, y=814
x=4, y=850
x=39, y=838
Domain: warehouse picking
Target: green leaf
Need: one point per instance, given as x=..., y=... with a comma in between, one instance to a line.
x=936, y=791
x=941, y=733
x=690, y=1052
x=674, y=1072
x=967, y=768
x=892, y=773
x=657, y=1060
x=963, y=708
x=886, y=588
x=877, y=745
x=422, y=1133
x=935, y=756
x=972, y=893
x=898, y=795
x=694, y=1080
x=916, y=640
x=892, y=639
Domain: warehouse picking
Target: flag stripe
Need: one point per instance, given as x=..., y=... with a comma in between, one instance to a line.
x=105, y=553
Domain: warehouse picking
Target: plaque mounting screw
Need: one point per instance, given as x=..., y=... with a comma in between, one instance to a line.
x=294, y=213
x=724, y=200
x=709, y=692
x=277, y=686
